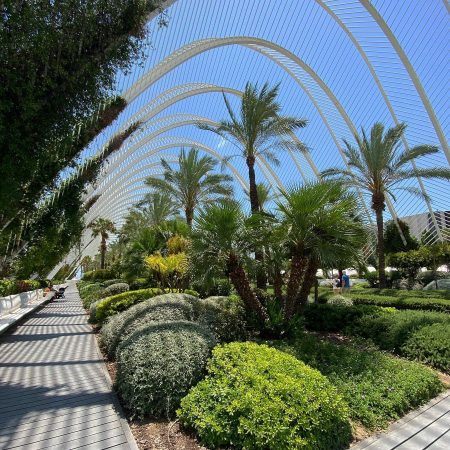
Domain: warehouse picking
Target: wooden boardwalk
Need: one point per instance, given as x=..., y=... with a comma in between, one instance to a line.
x=426, y=428
x=54, y=389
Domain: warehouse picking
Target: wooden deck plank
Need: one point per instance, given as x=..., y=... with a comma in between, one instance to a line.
x=54, y=391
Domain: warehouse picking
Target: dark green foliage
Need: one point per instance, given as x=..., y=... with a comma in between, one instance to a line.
x=89, y=293
x=403, y=293
x=402, y=302
x=158, y=364
x=391, y=329
x=139, y=283
x=378, y=388
x=162, y=308
x=120, y=302
x=115, y=289
x=213, y=286
x=392, y=240
x=224, y=316
x=113, y=281
x=11, y=287
x=256, y=397
x=430, y=345
x=99, y=275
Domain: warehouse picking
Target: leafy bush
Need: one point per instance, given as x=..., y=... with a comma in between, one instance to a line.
x=139, y=283
x=339, y=300
x=215, y=287
x=120, y=302
x=429, y=276
x=99, y=275
x=113, y=281
x=390, y=330
x=93, y=311
x=224, y=316
x=89, y=293
x=402, y=302
x=12, y=287
x=159, y=363
x=167, y=307
x=404, y=293
x=378, y=388
x=115, y=289
x=430, y=345
x=258, y=397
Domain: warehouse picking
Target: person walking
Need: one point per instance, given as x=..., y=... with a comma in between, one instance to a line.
x=345, y=282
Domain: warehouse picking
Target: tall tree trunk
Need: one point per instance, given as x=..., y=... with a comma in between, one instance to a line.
x=295, y=278
x=261, y=277
x=308, y=282
x=278, y=285
x=189, y=216
x=378, y=206
x=242, y=285
x=102, y=253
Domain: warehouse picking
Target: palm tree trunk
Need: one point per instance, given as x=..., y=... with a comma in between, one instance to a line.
x=308, y=283
x=278, y=285
x=295, y=278
x=102, y=253
x=242, y=285
x=189, y=216
x=261, y=277
x=378, y=206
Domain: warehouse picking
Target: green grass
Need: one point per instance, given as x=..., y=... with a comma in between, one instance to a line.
x=377, y=387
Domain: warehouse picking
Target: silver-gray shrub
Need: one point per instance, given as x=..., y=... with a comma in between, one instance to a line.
x=115, y=289
x=166, y=307
x=159, y=363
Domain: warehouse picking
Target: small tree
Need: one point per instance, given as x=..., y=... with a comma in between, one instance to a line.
x=393, y=242
x=102, y=227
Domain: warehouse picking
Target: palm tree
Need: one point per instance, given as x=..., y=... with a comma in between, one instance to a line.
x=158, y=207
x=101, y=227
x=220, y=243
x=264, y=195
x=193, y=183
x=258, y=130
x=320, y=228
x=379, y=166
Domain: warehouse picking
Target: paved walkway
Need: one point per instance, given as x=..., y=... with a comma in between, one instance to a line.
x=54, y=389
x=426, y=428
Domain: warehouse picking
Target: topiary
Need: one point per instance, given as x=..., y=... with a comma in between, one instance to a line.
x=224, y=316
x=256, y=397
x=340, y=300
x=115, y=289
x=430, y=345
x=166, y=307
x=159, y=363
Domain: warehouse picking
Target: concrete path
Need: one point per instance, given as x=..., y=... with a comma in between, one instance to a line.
x=426, y=428
x=54, y=389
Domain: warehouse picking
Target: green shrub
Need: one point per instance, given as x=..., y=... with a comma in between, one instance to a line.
x=93, y=311
x=12, y=287
x=402, y=302
x=115, y=289
x=159, y=363
x=406, y=293
x=139, y=283
x=89, y=293
x=430, y=345
x=378, y=388
x=224, y=316
x=216, y=287
x=339, y=300
x=256, y=397
x=99, y=275
x=113, y=281
x=166, y=307
x=390, y=330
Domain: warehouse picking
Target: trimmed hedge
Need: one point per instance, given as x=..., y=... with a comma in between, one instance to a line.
x=120, y=302
x=12, y=287
x=99, y=275
x=114, y=289
x=339, y=300
x=430, y=345
x=257, y=397
x=402, y=302
x=378, y=388
x=166, y=307
x=90, y=293
x=224, y=316
x=113, y=281
x=159, y=363
x=139, y=283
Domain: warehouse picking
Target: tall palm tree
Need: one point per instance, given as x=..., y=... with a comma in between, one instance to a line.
x=319, y=227
x=101, y=227
x=379, y=166
x=193, y=183
x=158, y=207
x=258, y=130
x=265, y=195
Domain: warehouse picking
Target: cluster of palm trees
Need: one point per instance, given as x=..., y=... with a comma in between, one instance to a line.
x=312, y=226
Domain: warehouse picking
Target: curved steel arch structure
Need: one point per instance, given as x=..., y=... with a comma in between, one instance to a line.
x=362, y=30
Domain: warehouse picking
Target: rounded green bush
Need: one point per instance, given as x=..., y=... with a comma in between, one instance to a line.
x=139, y=283
x=99, y=275
x=224, y=316
x=93, y=311
x=159, y=363
x=113, y=281
x=89, y=293
x=166, y=307
x=115, y=289
x=257, y=397
x=340, y=300
x=430, y=345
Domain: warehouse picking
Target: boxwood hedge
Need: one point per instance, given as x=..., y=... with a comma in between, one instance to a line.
x=256, y=397
x=159, y=363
